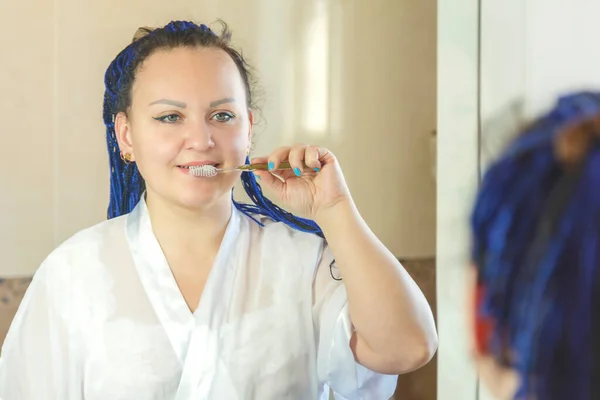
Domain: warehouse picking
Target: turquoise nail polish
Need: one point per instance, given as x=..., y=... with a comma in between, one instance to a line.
x=257, y=177
x=271, y=165
x=297, y=171
x=318, y=169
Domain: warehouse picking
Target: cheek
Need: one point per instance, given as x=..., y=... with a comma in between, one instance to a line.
x=157, y=147
x=154, y=155
x=233, y=143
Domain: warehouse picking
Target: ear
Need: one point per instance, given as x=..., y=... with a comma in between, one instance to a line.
x=123, y=134
x=251, y=124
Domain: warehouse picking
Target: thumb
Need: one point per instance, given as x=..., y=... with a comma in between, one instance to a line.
x=270, y=181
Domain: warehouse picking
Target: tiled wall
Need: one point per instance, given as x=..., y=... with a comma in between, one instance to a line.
x=11, y=293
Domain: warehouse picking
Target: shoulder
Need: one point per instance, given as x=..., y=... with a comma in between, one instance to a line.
x=73, y=273
x=91, y=237
x=77, y=254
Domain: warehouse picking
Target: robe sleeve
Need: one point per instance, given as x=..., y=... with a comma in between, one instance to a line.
x=39, y=359
x=336, y=365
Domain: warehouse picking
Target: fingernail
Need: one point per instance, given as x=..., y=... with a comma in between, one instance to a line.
x=318, y=169
x=271, y=165
x=297, y=171
x=257, y=177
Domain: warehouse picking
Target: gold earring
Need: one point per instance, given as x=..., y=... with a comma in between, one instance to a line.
x=126, y=158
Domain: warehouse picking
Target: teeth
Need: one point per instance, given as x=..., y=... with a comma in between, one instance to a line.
x=206, y=170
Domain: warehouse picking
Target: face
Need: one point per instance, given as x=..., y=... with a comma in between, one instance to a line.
x=188, y=106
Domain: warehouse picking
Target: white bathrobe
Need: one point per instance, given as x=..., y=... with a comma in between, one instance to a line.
x=104, y=319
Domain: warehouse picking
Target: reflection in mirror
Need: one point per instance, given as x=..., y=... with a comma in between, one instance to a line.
x=535, y=255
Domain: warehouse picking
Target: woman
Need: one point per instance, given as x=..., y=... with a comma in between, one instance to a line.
x=185, y=294
x=536, y=229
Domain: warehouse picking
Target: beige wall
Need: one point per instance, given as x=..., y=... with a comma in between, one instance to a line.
x=368, y=94
x=27, y=115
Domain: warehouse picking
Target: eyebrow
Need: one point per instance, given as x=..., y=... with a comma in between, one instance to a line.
x=181, y=104
x=170, y=103
x=222, y=101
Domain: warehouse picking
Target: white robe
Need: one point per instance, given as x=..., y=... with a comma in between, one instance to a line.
x=104, y=319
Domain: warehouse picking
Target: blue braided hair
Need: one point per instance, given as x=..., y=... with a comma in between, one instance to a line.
x=126, y=183
x=536, y=238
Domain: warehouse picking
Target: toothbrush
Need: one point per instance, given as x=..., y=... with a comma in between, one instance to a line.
x=209, y=171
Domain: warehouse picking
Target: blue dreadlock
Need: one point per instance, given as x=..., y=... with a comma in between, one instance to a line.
x=126, y=183
x=536, y=237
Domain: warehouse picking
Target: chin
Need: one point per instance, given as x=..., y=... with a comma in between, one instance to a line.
x=194, y=193
x=198, y=198
x=197, y=201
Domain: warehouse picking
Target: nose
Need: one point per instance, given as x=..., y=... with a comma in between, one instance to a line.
x=199, y=137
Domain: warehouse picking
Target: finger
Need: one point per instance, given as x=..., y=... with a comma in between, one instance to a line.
x=269, y=180
x=281, y=178
x=311, y=158
x=259, y=160
x=325, y=156
x=277, y=156
x=285, y=174
x=296, y=158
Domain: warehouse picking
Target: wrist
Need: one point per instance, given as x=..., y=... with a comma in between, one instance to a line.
x=341, y=210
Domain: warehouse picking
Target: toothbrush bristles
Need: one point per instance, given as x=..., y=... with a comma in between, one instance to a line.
x=207, y=171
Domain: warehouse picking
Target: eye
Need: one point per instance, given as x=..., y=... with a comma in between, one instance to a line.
x=168, y=119
x=223, y=116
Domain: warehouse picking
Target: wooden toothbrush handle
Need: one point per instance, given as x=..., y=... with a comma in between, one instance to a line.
x=265, y=166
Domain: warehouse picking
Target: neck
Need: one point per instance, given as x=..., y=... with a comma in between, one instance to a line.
x=188, y=230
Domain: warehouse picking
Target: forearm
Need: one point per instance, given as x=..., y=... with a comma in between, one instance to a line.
x=387, y=308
